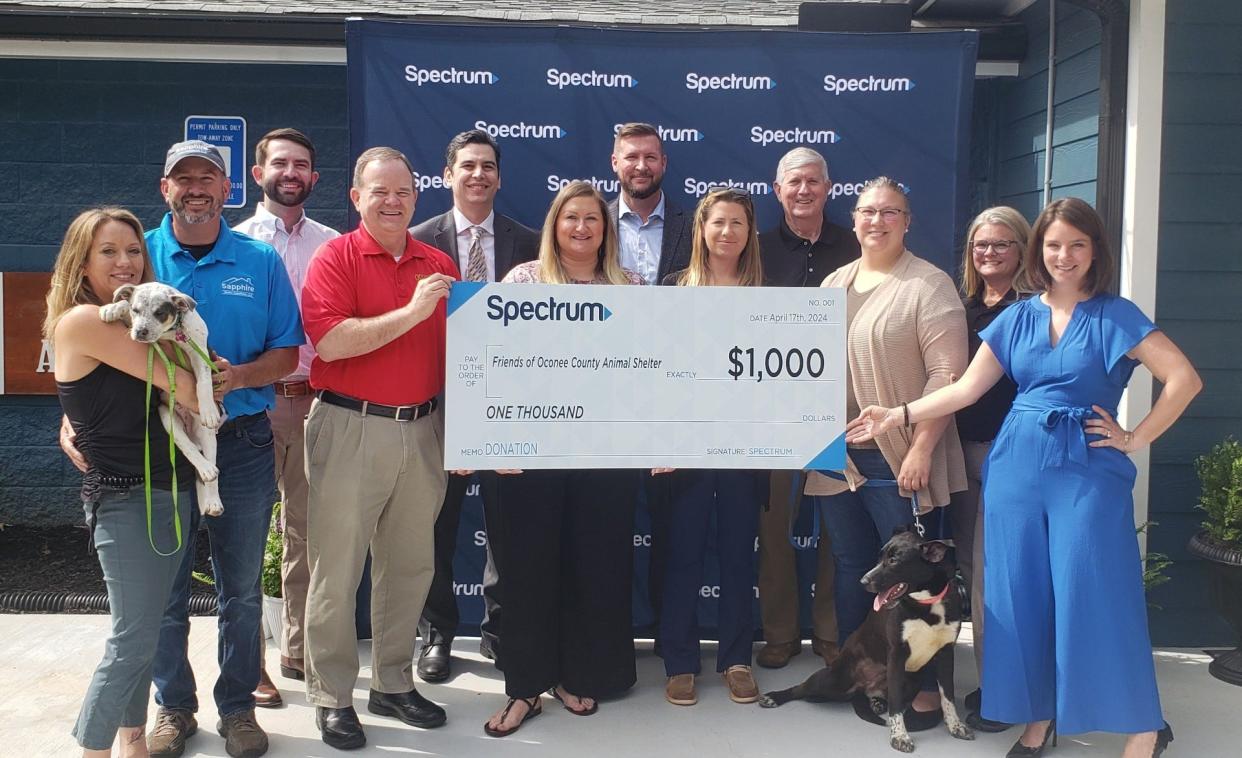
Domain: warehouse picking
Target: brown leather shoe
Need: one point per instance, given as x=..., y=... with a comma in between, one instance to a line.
x=742, y=687
x=679, y=690
x=266, y=695
x=243, y=737
x=775, y=655
x=292, y=668
x=825, y=649
x=173, y=727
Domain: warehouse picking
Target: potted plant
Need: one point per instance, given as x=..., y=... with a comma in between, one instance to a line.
x=273, y=604
x=1220, y=543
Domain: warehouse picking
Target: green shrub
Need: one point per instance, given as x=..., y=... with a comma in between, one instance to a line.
x=1220, y=473
x=273, y=552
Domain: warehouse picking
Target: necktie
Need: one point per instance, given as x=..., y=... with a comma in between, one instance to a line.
x=476, y=262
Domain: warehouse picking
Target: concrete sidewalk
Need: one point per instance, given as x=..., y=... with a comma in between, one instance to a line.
x=46, y=661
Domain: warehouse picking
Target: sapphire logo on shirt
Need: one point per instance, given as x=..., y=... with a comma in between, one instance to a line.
x=764, y=136
x=420, y=76
x=598, y=79
x=522, y=129
x=701, y=83
x=839, y=85
x=669, y=134
x=237, y=286
x=700, y=187
x=505, y=311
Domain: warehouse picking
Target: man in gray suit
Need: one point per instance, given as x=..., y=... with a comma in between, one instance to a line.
x=485, y=245
x=654, y=233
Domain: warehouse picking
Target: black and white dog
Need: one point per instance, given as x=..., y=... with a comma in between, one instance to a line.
x=914, y=622
x=154, y=312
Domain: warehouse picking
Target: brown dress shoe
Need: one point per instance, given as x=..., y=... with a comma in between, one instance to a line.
x=679, y=690
x=826, y=650
x=775, y=655
x=742, y=687
x=266, y=695
x=292, y=668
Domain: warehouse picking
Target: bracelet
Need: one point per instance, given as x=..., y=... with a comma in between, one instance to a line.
x=906, y=410
x=1128, y=438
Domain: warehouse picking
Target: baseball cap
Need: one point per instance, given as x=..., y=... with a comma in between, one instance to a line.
x=194, y=148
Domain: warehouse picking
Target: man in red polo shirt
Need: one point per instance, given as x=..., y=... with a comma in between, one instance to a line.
x=373, y=306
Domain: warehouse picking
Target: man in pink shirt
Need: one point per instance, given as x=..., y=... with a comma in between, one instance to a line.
x=285, y=170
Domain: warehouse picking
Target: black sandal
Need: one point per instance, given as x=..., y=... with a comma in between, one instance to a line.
x=534, y=708
x=589, y=711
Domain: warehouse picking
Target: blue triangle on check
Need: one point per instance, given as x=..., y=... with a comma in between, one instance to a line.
x=461, y=294
x=607, y=313
x=831, y=458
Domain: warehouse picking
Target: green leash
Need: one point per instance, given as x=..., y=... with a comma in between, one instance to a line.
x=172, y=448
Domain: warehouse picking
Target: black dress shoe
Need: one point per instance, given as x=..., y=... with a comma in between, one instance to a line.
x=409, y=707
x=486, y=650
x=434, y=662
x=974, y=715
x=340, y=728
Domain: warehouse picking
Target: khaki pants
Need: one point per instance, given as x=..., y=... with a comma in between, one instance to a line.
x=377, y=482
x=778, y=571
x=289, y=429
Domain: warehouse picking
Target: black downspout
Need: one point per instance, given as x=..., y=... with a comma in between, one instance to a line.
x=1114, y=18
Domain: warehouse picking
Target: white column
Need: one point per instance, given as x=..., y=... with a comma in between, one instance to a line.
x=1141, y=211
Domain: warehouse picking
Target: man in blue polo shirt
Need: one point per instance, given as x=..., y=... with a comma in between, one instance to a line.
x=243, y=293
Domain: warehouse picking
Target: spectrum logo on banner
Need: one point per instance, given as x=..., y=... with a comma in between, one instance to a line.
x=562, y=79
x=839, y=85
x=522, y=129
x=697, y=188
x=761, y=135
x=421, y=76
x=701, y=83
x=668, y=134
x=605, y=186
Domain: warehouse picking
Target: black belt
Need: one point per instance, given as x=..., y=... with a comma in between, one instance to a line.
x=239, y=422
x=395, y=412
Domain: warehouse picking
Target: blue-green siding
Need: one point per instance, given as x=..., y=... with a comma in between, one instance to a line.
x=1197, y=296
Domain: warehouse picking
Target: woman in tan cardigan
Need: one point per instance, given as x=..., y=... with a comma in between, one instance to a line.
x=906, y=338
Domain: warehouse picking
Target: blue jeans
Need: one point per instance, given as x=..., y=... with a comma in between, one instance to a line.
x=859, y=524
x=248, y=490
x=736, y=497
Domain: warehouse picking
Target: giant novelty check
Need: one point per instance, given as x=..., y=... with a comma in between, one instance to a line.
x=592, y=376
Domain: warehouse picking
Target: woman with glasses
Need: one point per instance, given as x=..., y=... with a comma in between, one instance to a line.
x=993, y=277
x=725, y=253
x=1067, y=640
x=567, y=535
x=906, y=337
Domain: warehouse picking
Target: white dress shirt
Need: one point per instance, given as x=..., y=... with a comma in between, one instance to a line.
x=464, y=235
x=296, y=246
x=640, y=244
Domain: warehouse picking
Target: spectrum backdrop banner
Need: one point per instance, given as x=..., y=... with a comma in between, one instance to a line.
x=728, y=104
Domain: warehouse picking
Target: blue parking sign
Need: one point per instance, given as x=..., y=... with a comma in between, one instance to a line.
x=228, y=134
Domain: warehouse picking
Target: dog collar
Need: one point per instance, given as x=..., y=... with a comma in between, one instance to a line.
x=937, y=598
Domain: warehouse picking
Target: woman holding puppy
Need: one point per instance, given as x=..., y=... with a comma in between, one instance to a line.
x=1067, y=643
x=100, y=378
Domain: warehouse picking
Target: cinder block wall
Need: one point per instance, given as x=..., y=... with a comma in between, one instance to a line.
x=75, y=134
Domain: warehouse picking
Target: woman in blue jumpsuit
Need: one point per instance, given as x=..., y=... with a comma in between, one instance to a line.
x=1066, y=614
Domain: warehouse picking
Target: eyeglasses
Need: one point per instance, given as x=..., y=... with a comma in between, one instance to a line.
x=888, y=214
x=1000, y=246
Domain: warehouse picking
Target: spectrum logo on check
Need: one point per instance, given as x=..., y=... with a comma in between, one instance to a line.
x=506, y=311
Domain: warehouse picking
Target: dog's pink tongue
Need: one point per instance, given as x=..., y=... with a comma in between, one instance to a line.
x=888, y=595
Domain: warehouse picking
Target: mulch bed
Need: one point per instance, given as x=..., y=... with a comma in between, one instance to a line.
x=55, y=559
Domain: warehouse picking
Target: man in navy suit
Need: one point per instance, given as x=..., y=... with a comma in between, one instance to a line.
x=485, y=245
x=654, y=233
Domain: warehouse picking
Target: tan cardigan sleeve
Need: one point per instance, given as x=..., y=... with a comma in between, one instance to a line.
x=941, y=333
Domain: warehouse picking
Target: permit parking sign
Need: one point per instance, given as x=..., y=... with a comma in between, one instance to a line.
x=228, y=134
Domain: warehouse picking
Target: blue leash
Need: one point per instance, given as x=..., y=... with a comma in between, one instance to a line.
x=795, y=504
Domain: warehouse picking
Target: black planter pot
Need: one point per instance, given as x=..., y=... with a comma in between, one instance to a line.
x=1226, y=564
